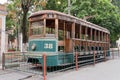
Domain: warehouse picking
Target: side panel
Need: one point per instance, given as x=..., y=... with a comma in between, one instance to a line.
x=65, y=58
x=43, y=45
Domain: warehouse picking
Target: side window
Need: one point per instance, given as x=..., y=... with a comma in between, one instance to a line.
x=82, y=48
x=61, y=48
x=92, y=48
x=88, y=48
x=96, y=48
x=99, y=48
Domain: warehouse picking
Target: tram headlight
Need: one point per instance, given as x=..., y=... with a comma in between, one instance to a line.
x=33, y=46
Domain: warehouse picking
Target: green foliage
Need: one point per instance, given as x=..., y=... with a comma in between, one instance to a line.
x=100, y=12
x=55, y=5
x=13, y=19
x=116, y=3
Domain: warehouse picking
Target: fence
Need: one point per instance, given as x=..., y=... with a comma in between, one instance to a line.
x=114, y=53
x=19, y=61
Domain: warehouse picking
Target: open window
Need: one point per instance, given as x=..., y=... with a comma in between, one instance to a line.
x=50, y=28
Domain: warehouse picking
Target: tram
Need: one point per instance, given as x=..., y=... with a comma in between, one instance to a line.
x=60, y=35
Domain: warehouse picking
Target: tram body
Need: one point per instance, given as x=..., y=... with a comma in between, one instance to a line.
x=59, y=36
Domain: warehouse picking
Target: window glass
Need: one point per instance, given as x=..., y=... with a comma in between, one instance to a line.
x=37, y=27
x=61, y=48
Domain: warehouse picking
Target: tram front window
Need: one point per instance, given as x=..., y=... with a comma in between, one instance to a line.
x=37, y=28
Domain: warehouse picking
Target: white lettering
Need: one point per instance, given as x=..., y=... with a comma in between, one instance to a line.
x=48, y=46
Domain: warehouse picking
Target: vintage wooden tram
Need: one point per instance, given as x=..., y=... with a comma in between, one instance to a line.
x=60, y=35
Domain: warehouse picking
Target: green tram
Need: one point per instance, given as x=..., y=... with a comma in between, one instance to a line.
x=60, y=35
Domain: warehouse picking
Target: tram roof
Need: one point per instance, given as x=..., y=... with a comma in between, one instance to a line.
x=72, y=19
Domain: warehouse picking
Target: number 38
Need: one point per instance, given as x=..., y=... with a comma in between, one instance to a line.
x=48, y=46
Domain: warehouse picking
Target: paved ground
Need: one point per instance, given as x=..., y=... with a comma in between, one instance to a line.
x=109, y=70
x=14, y=75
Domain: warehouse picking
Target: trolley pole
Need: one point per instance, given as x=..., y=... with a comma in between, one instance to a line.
x=44, y=66
x=76, y=60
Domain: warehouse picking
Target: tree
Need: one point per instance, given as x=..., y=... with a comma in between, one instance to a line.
x=18, y=11
x=13, y=20
x=116, y=3
x=58, y=5
x=25, y=5
x=100, y=12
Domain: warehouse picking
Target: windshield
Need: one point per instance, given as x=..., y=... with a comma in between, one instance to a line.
x=37, y=27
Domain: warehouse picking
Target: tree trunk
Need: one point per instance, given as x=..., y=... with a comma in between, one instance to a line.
x=24, y=27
